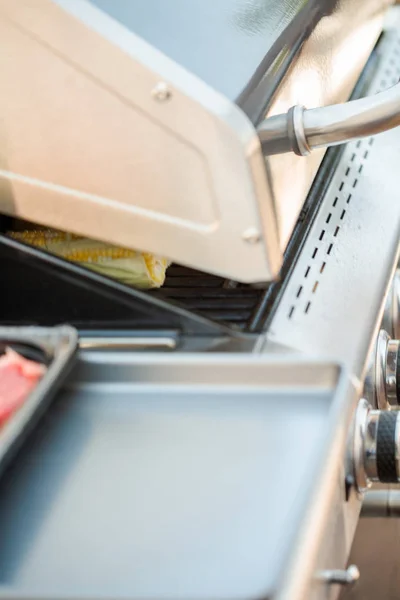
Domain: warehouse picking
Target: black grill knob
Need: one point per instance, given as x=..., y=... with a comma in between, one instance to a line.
x=387, y=448
x=376, y=452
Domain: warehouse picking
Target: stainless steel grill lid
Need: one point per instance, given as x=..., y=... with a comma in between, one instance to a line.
x=129, y=121
x=229, y=44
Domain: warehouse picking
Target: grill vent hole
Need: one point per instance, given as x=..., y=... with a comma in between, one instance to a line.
x=328, y=235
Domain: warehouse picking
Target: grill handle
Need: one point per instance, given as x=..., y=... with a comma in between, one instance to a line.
x=301, y=131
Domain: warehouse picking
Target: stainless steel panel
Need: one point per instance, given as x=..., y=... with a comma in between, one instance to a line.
x=141, y=152
x=221, y=42
x=93, y=144
x=376, y=549
x=335, y=297
x=174, y=476
x=326, y=72
x=334, y=300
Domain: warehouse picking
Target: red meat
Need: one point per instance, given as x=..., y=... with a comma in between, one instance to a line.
x=18, y=377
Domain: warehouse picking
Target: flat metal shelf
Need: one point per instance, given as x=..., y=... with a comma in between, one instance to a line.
x=161, y=477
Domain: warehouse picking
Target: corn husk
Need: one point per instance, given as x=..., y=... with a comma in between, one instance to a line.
x=139, y=269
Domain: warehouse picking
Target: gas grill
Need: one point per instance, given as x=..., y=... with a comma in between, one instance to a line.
x=218, y=436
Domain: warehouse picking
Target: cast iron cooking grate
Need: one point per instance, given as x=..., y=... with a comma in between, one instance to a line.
x=213, y=297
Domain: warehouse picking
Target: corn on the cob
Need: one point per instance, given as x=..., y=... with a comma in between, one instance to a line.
x=139, y=269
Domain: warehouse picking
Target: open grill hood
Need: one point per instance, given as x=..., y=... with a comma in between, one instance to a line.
x=135, y=122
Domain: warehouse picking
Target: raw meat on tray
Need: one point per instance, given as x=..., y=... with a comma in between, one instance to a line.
x=18, y=377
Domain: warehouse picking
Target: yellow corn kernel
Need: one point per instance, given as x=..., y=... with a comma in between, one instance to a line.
x=156, y=267
x=41, y=236
x=98, y=254
x=132, y=267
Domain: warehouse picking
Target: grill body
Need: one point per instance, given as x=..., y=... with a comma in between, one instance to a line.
x=172, y=163
x=212, y=412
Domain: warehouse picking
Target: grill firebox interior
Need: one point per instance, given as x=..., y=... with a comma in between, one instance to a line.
x=219, y=300
x=213, y=297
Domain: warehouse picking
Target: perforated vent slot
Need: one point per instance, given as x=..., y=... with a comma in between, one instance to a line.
x=334, y=213
x=333, y=219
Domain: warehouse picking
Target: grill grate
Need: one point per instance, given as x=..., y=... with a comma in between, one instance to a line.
x=211, y=296
x=229, y=303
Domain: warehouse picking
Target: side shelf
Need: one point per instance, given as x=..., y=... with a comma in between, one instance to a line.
x=172, y=476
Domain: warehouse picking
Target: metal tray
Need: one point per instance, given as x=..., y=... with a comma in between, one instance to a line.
x=56, y=348
x=172, y=477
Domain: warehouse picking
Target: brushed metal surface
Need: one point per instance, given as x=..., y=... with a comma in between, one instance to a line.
x=334, y=302
x=376, y=548
x=301, y=131
x=335, y=298
x=325, y=73
x=352, y=294
x=89, y=145
x=221, y=42
x=338, y=124
x=89, y=148
x=166, y=477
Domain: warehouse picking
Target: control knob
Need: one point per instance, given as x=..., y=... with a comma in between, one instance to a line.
x=376, y=449
x=383, y=381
